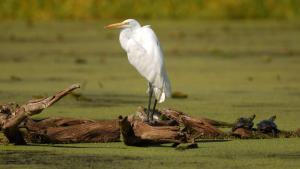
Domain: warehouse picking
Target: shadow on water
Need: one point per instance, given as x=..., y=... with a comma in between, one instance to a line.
x=295, y=155
x=212, y=140
x=259, y=105
x=80, y=100
x=49, y=159
x=260, y=155
x=71, y=146
x=107, y=100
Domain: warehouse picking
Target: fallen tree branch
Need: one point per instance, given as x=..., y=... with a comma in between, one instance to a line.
x=53, y=130
x=70, y=130
x=170, y=126
x=10, y=120
x=195, y=127
x=33, y=107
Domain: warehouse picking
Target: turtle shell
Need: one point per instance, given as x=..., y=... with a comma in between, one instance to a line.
x=244, y=122
x=267, y=126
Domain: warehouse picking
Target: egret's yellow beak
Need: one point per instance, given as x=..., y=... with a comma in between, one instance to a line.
x=115, y=25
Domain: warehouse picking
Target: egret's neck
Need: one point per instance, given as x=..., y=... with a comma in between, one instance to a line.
x=125, y=35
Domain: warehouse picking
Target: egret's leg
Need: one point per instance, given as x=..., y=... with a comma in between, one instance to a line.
x=153, y=110
x=149, y=101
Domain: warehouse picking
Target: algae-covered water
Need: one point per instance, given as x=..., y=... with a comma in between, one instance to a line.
x=228, y=69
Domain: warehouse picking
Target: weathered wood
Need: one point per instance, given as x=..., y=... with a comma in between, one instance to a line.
x=242, y=133
x=69, y=130
x=255, y=134
x=135, y=132
x=196, y=127
x=53, y=130
x=12, y=120
x=204, y=128
x=170, y=126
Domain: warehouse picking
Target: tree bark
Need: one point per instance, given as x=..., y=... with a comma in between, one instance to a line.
x=170, y=126
x=69, y=130
x=135, y=132
x=254, y=134
x=53, y=130
x=195, y=127
x=11, y=120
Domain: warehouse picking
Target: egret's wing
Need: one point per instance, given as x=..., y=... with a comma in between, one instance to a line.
x=139, y=58
x=146, y=37
x=145, y=54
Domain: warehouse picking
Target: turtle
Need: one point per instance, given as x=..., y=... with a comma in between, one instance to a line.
x=268, y=126
x=244, y=122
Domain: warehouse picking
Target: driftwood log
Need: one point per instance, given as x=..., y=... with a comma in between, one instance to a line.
x=13, y=118
x=69, y=130
x=173, y=126
x=195, y=127
x=170, y=126
x=254, y=134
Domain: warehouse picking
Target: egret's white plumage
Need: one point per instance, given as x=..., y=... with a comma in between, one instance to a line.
x=145, y=54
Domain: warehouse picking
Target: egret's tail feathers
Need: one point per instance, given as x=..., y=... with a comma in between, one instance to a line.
x=162, y=98
x=159, y=94
x=167, y=88
x=163, y=91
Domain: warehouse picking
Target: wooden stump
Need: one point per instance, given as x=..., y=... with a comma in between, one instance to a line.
x=137, y=133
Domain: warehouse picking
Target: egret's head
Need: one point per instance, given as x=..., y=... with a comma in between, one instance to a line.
x=128, y=23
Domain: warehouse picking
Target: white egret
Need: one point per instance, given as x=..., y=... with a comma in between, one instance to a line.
x=145, y=54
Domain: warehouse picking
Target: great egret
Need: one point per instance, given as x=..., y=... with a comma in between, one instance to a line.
x=145, y=54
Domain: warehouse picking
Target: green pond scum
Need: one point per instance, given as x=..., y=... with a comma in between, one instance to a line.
x=228, y=69
x=37, y=10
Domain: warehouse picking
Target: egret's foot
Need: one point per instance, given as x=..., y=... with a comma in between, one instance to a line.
x=150, y=122
x=146, y=121
x=153, y=122
x=172, y=122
